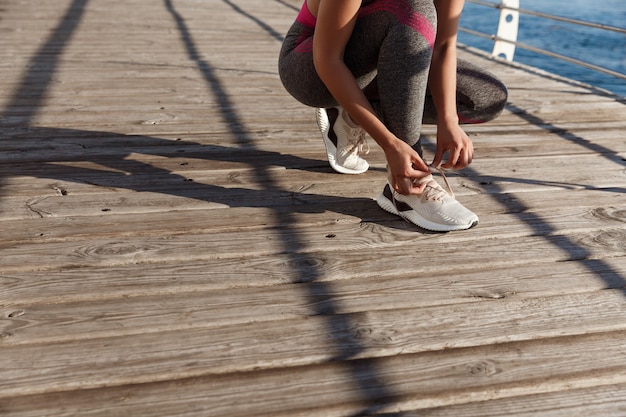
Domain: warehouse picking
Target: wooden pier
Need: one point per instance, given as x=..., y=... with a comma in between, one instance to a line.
x=174, y=243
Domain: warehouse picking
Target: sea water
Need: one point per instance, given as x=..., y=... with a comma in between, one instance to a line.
x=599, y=47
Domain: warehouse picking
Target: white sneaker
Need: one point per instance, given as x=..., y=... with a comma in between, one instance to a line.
x=343, y=142
x=434, y=209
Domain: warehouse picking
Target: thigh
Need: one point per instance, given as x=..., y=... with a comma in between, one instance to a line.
x=296, y=69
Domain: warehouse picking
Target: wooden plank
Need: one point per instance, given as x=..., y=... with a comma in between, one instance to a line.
x=569, y=314
x=253, y=272
x=192, y=177
x=337, y=237
x=253, y=290
x=102, y=217
x=178, y=399
x=405, y=280
x=605, y=400
x=185, y=119
x=309, y=145
x=404, y=382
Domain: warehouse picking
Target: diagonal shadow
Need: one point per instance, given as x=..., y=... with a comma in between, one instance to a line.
x=289, y=6
x=596, y=267
x=365, y=373
x=340, y=326
x=563, y=133
x=276, y=35
x=45, y=60
x=576, y=251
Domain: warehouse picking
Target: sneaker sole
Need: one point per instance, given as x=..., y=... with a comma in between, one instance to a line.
x=418, y=220
x=331, y=150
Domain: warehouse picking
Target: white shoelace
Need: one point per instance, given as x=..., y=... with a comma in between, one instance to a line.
x=432, y=189
x=357, y=143
x=445, y=180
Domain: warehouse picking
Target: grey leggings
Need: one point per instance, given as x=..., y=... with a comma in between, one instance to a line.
x=389, y=55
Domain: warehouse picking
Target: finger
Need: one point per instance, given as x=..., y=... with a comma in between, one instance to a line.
x=406, y=186
x=464, y=159
x=417, y=188
x=419, y=165
x=402, y=185
x=453, y=159
x=468, y=157
x=437, y=159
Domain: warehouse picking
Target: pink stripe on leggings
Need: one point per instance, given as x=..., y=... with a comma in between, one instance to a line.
x=405, y=15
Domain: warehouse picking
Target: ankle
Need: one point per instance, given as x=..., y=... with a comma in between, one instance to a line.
x=348, y=119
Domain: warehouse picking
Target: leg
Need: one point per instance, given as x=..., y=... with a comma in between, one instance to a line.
x=481, y=96
x=296, y=69
x=388, y=35
x=343, y=140
x=402, y=62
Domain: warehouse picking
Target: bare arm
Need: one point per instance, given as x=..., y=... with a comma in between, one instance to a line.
x=442, y=83
x=335, y=22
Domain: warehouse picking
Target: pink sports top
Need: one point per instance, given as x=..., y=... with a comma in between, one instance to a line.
x=306, y=17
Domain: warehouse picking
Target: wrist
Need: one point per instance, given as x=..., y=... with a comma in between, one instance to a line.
x=448, y=120
x=392, y=145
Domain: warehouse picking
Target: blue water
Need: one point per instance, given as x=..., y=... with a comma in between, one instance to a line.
x=602, y=48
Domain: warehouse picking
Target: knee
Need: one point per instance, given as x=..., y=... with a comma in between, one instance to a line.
x=499, y=98
x=483, y=90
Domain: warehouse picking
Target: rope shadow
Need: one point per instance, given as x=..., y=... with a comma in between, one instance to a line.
x=373, y=387
x=366, y=374
x=45, y=60
x=340, y=326
x=577, y=252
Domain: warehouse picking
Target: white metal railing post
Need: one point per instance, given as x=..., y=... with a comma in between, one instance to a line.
x=504, y=46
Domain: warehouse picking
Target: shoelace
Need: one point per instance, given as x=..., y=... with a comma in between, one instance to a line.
x=358, y=143
x=441, y=172
x=432, y=190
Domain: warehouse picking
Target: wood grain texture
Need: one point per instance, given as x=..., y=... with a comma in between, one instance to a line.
x=174, y=242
